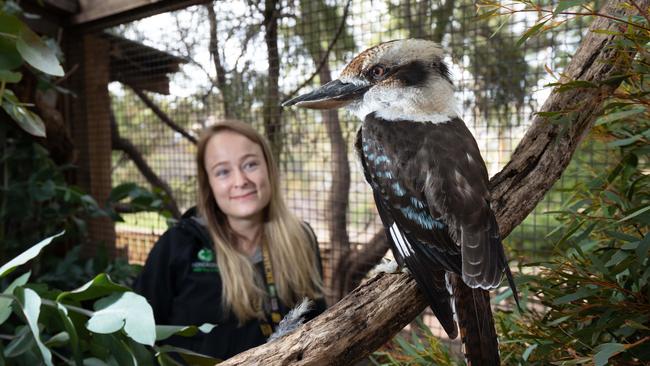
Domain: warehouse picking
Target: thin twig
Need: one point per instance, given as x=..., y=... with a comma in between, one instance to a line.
x=641, y=11
x=327, y=52
x=594, y=14
x=76, y=309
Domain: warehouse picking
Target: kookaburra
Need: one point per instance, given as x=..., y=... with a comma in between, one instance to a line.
x=429, y=181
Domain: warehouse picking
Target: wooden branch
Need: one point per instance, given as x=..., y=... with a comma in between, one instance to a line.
x=374, y=312
x=162, y=115
x=348, y=329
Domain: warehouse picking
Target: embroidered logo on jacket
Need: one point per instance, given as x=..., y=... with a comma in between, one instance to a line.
x=205, y=261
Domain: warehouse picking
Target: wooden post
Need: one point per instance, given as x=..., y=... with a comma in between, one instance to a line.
x=91, y=129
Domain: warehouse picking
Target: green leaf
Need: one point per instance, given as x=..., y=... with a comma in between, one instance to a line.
x=58, y=340
x=10, y=76
x=407, y=348
x=634, y=214
x=581, y=293
x=120, y=353
x=99, y=286
x=642, y=249
x=559, y=321
x=22, y=342
x=621, y=236
x=10, y=26
x=626, y=141
x=605, y=351
x=191, y=357
x=126, y=310
x=530, y=32
x=5, y=303
x=37, y=53
x=72, y=332
x=31, y=307
x=26, y=119
x=27, y=255
x=121, y=191
x=611, y=117
x=564, y=5
x=617, y=258
x=92, y=361
x=166, y=331
x=636, y=325
x=528, y=351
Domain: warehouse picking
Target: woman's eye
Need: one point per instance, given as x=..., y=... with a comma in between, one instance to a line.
x=221, y=173
x=250, y=165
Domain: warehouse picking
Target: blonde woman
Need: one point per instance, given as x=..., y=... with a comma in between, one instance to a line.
x=243, y=260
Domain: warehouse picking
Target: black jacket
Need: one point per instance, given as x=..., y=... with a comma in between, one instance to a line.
x=181, y=282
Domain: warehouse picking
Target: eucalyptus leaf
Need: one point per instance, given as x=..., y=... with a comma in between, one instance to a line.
x=605, y=351
x=92, y=361
x=566, y=4
x=22, y=342
x=31, y=307
x=27, y=255
x=27, y=120
x=165, y=331
x=191, y=357
x=615, y=116
x=617, y=258
x=58, y=340
x=635, y=214
x=10, y=26
x=99, y=286
x=72, y=332
x=642, y=249
x=529, y=351
x=5, y=303
x=37, y=53
x=119, y=352
x=10, y=76
x=126, y=310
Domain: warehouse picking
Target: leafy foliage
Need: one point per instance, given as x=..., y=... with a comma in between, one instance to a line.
x=20, y=45
x=40, y=325
x=590, y=303
x=420, y=348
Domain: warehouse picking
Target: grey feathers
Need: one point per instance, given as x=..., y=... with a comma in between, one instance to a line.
x=292, y=320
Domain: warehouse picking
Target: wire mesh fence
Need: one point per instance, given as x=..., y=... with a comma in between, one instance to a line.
x=175, y=73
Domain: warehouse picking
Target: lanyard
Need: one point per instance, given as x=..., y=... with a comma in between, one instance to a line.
x=267, y=328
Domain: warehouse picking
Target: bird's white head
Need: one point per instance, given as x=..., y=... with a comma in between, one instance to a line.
x=397, y=80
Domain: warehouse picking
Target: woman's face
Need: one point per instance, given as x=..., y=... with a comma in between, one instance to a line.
x=238, y=176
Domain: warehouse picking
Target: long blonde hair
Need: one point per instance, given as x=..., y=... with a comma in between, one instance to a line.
x=293, y=258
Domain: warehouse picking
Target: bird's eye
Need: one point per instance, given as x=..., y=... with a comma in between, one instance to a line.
x=378, y=71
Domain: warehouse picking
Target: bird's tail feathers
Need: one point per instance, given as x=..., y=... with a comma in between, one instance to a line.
x=513, y=287
x=475, y=323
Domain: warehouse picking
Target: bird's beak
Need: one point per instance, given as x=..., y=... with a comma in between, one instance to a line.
x=335, y=94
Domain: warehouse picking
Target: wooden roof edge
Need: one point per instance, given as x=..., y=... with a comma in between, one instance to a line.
x=101, y=14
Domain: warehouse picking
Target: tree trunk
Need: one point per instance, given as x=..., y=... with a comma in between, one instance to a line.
x=374, y=312
x=272, y=107
x=337, y=207
x=216, y=60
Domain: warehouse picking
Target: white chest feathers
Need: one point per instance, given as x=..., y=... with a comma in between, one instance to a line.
x=433, y=103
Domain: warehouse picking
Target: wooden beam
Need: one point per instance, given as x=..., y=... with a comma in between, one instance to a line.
x=66, y=6
x=101, y=13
